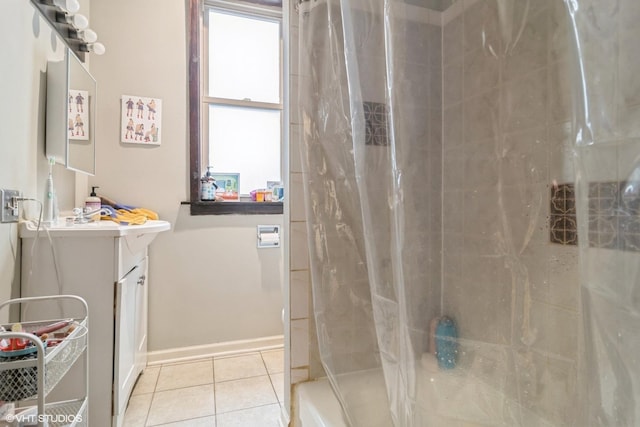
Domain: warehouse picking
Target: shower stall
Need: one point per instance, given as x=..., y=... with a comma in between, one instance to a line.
x=474, y=164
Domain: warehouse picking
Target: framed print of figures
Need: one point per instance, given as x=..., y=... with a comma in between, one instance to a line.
x=78, y=117
x=141, y=119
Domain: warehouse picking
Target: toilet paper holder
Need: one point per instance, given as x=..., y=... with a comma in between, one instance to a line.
x=268, y=236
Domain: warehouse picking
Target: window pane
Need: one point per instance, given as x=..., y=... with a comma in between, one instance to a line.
x=245, y=140
x=244, y=57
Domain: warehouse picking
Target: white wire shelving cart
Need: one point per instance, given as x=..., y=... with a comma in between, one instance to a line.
x=34, y=371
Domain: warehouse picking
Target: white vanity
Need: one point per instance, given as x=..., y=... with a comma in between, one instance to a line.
x=107, y=265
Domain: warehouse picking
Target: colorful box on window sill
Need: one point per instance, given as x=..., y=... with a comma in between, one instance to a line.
x=228, y=186
x=267, y=195
x=277, y=193
x=259, y=196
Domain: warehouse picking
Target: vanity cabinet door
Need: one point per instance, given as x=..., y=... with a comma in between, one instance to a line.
x=130, y=334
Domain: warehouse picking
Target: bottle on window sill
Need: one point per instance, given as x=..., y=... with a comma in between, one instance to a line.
x=208, y=186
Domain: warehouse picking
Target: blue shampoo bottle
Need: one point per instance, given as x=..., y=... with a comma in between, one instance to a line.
x=446, y=343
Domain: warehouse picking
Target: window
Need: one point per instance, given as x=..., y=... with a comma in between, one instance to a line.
x=239, y=98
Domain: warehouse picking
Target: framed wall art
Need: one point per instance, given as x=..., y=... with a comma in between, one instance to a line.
x=141, y=120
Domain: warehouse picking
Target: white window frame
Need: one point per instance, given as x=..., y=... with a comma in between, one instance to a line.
x=245, y=10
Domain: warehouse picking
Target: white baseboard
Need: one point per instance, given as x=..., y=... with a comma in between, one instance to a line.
x=230, y=348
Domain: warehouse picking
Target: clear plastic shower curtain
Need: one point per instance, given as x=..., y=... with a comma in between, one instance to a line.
x=359, y=174
x=474, y=162
x=607, y=145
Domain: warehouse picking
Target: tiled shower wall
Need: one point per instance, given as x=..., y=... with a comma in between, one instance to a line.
x=417, y=119
x=303, y=356
x=506, y=143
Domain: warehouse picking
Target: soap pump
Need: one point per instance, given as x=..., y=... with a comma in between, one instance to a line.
x=92, y=202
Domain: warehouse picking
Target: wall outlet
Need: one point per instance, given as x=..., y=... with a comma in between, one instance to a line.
x=9, y=210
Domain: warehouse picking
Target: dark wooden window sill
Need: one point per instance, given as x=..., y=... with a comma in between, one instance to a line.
x=235, y=208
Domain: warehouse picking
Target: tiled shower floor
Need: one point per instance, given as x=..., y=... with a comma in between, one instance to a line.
x=243, y=390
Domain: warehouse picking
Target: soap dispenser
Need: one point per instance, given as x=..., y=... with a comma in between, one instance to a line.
x=92, y=202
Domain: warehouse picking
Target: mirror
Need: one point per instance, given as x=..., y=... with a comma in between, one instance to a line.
x=71, y=118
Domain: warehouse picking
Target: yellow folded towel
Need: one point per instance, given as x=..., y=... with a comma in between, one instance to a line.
x=126, y=216
x=149, y=214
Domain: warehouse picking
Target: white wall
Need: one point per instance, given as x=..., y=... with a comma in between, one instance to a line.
x=209, y=282
x=25, y=46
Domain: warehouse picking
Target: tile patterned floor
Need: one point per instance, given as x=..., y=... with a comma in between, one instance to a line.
x=243, y=390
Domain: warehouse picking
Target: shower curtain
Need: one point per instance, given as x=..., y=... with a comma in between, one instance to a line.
x=469, y=166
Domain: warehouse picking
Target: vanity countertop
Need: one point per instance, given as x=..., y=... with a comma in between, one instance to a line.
x=93, y=229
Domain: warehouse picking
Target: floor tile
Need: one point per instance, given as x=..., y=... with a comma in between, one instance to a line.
x=137, y=411
x=147, y=381
x=248, y=391
x=185, y=375
x=181, y=404
x=274, y=359
x=194, y=422
x=262, y=416
x=244, y=393
x=233, y=368
x=277, y=381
